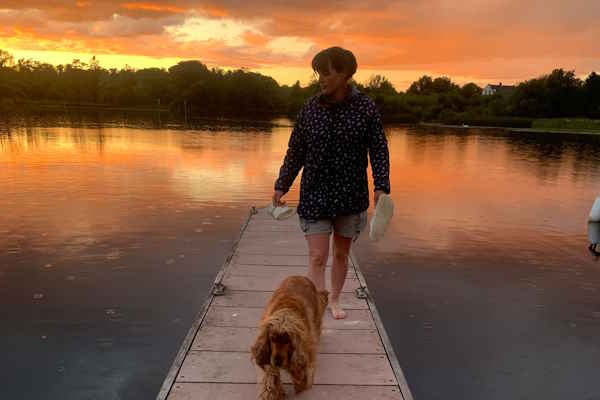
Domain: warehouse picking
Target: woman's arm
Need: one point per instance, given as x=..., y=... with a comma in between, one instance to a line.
x=294, y=158
x=379, y=155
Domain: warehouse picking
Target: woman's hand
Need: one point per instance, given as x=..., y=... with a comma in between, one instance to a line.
x=376, y=196
x=277, y=194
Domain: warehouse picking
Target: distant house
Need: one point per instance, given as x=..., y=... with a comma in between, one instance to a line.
x=503, y=90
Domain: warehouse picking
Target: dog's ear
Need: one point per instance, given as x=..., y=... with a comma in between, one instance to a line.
x=261, y=350
x=298, y=358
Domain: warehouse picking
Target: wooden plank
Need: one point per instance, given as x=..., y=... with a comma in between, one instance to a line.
x=242, y=298
x=250, y=317
x=332, y=369
x=264, y=217
x=292, y=226
x=279, y=250
x=269, y=244
x=216, y=338
x=248, y=391
x=277, y=239
x=271, y=283
x=299, y=269
x=260, y=234
x=266, y=271
x=274, y=259
x=263, y=227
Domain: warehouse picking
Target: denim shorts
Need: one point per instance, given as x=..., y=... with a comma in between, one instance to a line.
x=348, y=226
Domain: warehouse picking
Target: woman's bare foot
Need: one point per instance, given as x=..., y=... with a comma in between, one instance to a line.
x=336, y=310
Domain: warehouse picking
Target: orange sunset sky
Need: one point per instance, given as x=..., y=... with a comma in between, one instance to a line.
x=481, y=41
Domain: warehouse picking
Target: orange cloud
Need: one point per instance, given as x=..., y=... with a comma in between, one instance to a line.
x=254, y=39
x=153, y=7
x=215, y=11
x=498, y=40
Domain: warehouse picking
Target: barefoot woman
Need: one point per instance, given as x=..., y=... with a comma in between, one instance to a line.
x=334, y=132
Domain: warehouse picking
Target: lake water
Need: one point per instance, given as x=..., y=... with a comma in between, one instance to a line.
x=110, y=238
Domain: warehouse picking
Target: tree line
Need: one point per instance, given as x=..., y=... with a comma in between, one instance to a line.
x=191, y=87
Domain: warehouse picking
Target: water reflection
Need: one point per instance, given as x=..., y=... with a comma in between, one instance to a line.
x=114, y=233
x=111, y=241
x=481, y=279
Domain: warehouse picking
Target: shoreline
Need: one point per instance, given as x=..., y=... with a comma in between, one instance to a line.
x=199, y=120
x=508, y=129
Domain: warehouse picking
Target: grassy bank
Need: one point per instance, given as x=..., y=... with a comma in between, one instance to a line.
x=572, y=129
x=567, y=124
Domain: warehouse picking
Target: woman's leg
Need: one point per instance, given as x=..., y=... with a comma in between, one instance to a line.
x=339, y=270
x=318, y=252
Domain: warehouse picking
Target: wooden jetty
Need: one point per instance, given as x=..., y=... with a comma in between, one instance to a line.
x=355, y=359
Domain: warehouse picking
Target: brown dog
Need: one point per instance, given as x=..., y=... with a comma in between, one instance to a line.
x=288, y=336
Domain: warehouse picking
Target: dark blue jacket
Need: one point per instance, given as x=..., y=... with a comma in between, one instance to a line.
x=331, y=142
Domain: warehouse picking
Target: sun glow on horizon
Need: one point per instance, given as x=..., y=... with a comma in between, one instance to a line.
x=284, y=75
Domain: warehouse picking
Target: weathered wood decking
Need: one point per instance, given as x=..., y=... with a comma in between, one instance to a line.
x=355, y=358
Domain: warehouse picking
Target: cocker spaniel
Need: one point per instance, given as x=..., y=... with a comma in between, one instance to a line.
x=288, y=336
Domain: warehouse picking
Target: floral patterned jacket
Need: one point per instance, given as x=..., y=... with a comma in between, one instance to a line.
x=331, y=141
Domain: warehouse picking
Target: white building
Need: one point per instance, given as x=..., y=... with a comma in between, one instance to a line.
x=504, y=90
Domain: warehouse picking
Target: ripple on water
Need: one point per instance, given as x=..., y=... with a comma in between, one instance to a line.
x=113, y=255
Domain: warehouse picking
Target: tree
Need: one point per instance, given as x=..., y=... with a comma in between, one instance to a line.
x=564, y=93
x=559, y=94
x=470, y=90
x=94, y=64
x=422, y=86
x=6, y=59
x=381, y=84
x=152, y=86
x=592, y=95
x=186, y=73
x=443, y=84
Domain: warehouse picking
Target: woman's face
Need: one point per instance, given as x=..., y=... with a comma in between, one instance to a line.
x=330, y=81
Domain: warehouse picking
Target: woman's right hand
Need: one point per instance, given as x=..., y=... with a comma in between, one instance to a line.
x=277, y=194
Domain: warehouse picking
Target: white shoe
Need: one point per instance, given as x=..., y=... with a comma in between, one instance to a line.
x=594, y=232
x=384, y=209
x=595, y=211
x=279, y=212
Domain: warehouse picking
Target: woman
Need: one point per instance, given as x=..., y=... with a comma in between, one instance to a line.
x=333, y=133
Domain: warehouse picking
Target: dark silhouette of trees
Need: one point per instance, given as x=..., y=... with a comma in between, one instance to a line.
x=421, y=86
x=559, y=94
x=470, y=90
x=191, y=88
x=6, y=59
x=591, y=89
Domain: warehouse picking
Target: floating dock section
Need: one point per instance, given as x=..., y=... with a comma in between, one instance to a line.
x=355, y=358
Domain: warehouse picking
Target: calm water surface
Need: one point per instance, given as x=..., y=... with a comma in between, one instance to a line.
x=110, y=238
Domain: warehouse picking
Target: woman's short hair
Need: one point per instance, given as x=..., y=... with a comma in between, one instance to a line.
x=342, y=60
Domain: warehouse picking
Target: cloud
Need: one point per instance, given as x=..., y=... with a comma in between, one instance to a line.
x=198, y=28
x=149, y=7
x=115, y=26
x=291, y=45
x=495, y=39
